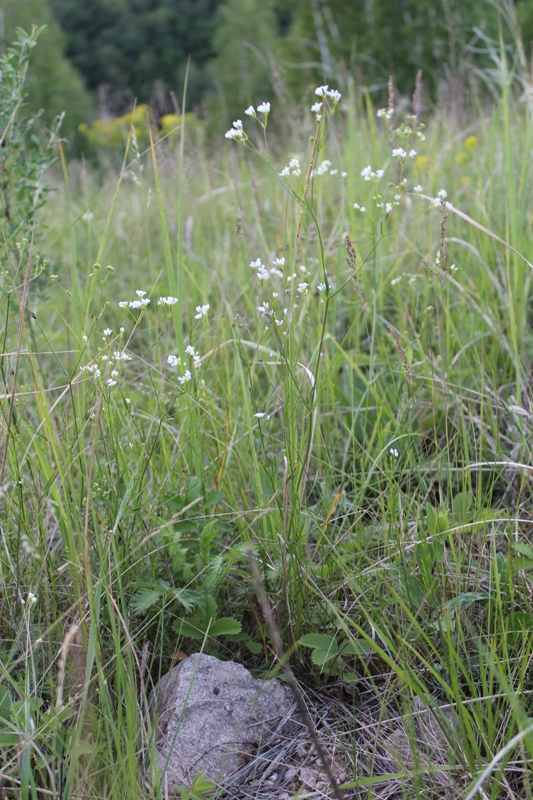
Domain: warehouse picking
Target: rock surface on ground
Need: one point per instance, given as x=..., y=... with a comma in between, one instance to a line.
x=211, y=716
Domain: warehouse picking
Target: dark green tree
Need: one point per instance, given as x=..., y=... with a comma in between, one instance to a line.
x=138, y=47
x=378, y=38
x=246, y=37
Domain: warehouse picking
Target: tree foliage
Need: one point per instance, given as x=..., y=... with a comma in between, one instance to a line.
x=53, y=83
x=136, y=47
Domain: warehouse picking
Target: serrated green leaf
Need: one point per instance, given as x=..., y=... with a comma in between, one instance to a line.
x=213, y=499
x=145, y=599
x=187, y=597
x=226, y=626
x=192, y=627
x=524, y=549
x=356, y=647
x=317, y=640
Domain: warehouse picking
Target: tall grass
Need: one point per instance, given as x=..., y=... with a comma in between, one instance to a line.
x=373, y=449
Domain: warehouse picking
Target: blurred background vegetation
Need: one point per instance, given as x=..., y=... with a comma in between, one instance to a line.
x=98, y=57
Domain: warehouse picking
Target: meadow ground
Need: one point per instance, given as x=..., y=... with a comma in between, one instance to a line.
x=329, y=368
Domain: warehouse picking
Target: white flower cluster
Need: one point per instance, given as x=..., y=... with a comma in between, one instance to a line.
x=107, y=363
x=263, y=108
x=167, y=301
x=362, y=209
x=385, y=113
x=323, y=169
x=399, y=152
x=369, y=175
x=324, y=92
x=195, y=362
x=440, y=198
x=293, y=169
x=236, y=132
x=201, y=311
x=134, y=304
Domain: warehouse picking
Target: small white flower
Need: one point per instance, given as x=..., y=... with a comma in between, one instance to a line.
x=264, y=108
x=399, y=152
x=388, y=208
x=105, y=358
x=121, y=356
x=114, y=373
x=174, y=361
x=294, y=166
x=250, y=111
x=238, y=124
x=197, y=361
x=454, y=268
x=385, y=113
x=321, y=91
x=140, y=293
x=185, y=377
x=190, y=350
x=108, y=332
x=123, y=304
x=256, y=264
x=316, y=108
x=88, y=216
x=139, y=303
x=393, y=452
x=259, y=415
x=333, y=171
x=276, y=271
x=321, y=287
x=274, y=294
x=302, y=287
x=421, y=136
x=167, y=301
x=443, y=194
x=379, y=173
x=285, y=172
x=279, y=262
x=262, y=273
x=418, y=189
x=335, y=95
x=201, y=311
x=127, y=400
x=85, y=338
x=318, y=117
x=412, y=153
x=233, y=133
x=111, y=382
x=31, y=599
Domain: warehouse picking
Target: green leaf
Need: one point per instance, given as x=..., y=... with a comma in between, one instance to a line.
x=226, y=626
x=317, y=640
x=524, y=549
x=432, y=520
x=5, y=702
x=192, y=627
x=187, y=597
x=145, y=599
x=213, y=499
x=324, y=647
x=357, y=647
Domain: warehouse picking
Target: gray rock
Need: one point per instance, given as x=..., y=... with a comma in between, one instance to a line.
x=211, y=716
